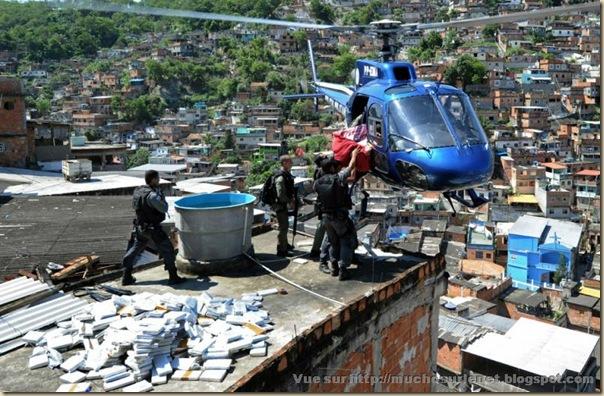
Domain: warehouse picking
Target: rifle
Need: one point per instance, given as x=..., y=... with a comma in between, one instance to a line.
x=295, y=215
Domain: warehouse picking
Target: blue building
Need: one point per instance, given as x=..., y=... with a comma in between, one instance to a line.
x=535, y=248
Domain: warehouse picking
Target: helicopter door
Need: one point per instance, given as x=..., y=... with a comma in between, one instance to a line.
x=375, y=137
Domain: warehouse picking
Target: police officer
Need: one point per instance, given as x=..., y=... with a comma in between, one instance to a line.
x=151, y=207
x=320, y=246
x=284, y=185
x=334, y=198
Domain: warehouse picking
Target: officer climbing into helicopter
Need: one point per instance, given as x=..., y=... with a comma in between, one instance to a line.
x=334, y=200
x=150, y=207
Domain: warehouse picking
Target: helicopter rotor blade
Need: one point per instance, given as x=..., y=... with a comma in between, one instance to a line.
x=92, y=5
x=517, y=16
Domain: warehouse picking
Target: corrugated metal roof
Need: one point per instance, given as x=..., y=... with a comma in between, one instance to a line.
x=495, y=322
x=457, y=330
x=20, y=287
x=52, y=310
x=537, y=347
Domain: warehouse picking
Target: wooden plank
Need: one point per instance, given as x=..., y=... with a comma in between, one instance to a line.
x=74, y=265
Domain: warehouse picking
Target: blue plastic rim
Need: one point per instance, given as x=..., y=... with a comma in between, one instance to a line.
x=214, y=201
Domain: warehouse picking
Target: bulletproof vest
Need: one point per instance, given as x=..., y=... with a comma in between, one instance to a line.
x=145, y=213
x=332, y=194
x=288, y=181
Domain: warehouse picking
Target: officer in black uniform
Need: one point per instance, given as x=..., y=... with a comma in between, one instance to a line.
x=285, y=191
x=151, y=207
x=334, y=199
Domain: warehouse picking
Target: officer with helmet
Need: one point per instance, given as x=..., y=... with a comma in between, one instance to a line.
x=150, y=207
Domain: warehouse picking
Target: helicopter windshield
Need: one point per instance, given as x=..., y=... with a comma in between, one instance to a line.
x=414, y=123
x=462, y=116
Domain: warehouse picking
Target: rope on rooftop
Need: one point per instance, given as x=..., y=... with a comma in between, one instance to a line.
x=284, y=279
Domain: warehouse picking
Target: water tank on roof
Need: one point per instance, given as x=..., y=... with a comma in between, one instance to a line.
x=213, y=231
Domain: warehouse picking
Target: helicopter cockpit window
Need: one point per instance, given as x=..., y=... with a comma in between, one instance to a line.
x=462, y=116
x=374, y=120
x=415, y=123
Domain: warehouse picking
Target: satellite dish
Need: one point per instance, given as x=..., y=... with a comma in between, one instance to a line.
x=450, y=305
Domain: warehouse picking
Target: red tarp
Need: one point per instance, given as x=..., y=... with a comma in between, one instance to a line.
x=344, y=142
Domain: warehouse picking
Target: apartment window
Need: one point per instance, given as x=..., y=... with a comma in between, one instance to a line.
x=488, y=255
x=478, y=254
x=9, y=105
x=551, y=211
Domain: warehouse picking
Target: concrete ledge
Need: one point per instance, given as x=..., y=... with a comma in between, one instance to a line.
x=339, y=332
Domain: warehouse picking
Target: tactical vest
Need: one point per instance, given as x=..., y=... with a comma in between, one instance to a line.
x=332, y=194
x=288, y=182
x=145, y=213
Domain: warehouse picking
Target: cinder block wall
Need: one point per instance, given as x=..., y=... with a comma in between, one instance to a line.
x=388, y=334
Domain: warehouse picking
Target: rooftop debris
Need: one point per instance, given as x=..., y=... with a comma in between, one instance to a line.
x=140, y=340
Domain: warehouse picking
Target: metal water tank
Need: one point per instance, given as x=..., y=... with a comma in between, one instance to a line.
x=213, y=231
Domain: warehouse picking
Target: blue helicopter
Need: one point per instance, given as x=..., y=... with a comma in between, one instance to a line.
x=425, y=135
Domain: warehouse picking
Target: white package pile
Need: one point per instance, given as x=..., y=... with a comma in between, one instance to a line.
x=135, y=342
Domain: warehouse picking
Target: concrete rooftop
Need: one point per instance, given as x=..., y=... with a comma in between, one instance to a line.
x=292, y=313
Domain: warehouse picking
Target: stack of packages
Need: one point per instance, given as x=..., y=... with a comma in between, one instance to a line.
x=135, y=342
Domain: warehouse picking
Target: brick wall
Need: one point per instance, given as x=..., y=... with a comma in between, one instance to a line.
x=393, y=331
x=481, y=268
x=449, y=356
x=487, y=254
x=581, y=318
x=487, y=294
x=510, y=311
x=16, y=144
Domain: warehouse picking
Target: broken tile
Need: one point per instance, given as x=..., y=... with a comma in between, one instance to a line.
x=180, y=363
x=268, y=292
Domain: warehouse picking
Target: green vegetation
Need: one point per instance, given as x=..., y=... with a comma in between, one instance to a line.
x=467, y=70
x=304, y=110
x=560, y=271
x=490, y=31
x=322, y=11
x=261, y=170
x=339, y=71
x=426, y=50
x=363, y=15
x=43, y=106
x=40, y=33
x=143, y=109
x=139, y=157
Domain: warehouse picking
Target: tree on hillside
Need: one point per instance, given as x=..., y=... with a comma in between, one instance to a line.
x=467, y=70
x=139, y=157
x=489, y=31
x=229, y=141
x=322, y=11
x=561, y=271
